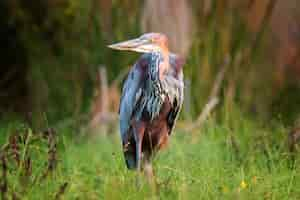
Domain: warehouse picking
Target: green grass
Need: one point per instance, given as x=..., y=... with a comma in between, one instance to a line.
x=205, y=165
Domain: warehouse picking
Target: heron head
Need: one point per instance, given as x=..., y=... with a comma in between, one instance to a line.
x=148, y=42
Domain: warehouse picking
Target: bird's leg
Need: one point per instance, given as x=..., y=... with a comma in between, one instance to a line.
x=148, y=170
x=149, y=173
x=138, y=154
x=139, y=129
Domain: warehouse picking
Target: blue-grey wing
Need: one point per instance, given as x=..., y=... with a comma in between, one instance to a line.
x=131, y=92
x=176, y=89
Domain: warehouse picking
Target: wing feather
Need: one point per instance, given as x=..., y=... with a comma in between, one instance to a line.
x=176, y=64
x=131, y=93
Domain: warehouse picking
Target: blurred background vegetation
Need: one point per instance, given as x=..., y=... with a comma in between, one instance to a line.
x=58, y=79
x=52, y=50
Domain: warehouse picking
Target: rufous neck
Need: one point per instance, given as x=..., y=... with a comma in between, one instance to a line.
x=164, y=67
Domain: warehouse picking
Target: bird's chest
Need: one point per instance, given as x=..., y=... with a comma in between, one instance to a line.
x=156, y=111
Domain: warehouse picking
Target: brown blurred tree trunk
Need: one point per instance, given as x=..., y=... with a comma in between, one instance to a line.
x=106, y=21
x=172, y=17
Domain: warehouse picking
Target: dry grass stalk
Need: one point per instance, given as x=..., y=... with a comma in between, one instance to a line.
x=52, y=151
x=61, y=191
x=52, y=160
x=14, y=147
x=235, y=146
x=293, y=139
x=14, y=196
x=28, y=166
x=3, y=180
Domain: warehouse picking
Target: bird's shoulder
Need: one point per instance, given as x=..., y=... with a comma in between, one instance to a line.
x=176, y=62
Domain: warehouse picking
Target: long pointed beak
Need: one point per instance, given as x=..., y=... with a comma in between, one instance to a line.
x=137, y=45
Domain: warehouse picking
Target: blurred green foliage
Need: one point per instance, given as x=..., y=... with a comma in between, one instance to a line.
x=65, y=42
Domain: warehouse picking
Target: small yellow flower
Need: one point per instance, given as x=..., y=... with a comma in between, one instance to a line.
x=243, y=185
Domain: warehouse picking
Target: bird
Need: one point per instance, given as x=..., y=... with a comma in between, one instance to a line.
x=152, y=97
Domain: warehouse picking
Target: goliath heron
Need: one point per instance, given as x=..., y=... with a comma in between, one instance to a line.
x=152, y=97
